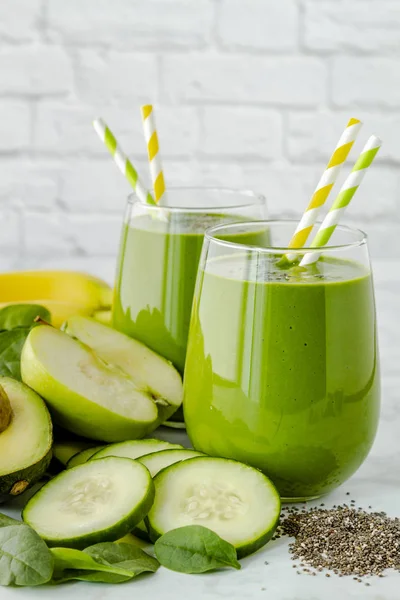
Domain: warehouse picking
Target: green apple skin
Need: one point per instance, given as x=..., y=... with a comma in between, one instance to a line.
x=73, y=411
x=149, y=371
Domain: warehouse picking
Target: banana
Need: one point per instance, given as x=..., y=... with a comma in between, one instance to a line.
x=64, y=293
x=104, y=316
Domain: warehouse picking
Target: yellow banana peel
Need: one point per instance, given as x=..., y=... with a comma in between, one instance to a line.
x=63, y=293
x=104, y=316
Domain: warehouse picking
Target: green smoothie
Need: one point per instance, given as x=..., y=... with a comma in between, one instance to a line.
x=156, y=278
x=282, y=369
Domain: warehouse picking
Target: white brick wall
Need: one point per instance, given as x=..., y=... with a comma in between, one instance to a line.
x=249, y=93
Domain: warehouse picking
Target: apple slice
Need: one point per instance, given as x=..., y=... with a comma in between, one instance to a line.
x=151, y=373
x=85, y=394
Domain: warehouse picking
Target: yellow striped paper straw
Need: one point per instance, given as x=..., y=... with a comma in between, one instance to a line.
x=122, y=161
x=325, y=184
x=343, y=199
x=153, y=152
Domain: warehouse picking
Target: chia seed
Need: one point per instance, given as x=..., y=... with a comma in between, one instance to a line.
x=345, y=540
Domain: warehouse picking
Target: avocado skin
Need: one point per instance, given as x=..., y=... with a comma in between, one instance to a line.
x=30, y=475
x=16, y=482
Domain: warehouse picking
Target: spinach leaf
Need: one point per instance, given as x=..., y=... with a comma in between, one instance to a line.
x=86, y=575
x=124, y=556
x=75, y=564
x=16, y=321
x=24, y=557
x=6, y=521
x=11, y=344
x=194, y=549
x=22, y=315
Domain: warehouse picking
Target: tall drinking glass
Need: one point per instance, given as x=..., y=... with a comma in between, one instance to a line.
x=282, y=369
x=158, y=260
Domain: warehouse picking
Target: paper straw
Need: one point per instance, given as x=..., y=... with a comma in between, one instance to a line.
x=325, y=184
x=122, y=161
x=343, y=199
x=153, y=152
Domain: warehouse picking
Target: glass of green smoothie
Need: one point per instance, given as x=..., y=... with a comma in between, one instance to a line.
x=282, y=368
x=158, y=260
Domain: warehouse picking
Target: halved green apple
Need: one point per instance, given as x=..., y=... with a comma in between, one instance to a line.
x=85, y=394
x=151, y=373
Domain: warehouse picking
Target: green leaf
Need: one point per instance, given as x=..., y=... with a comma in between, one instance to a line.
x=25, y=559
x=95, y=576
x=6, y=521
x=11, y=344
x=194, y=549
x=124, y=556
x=16, y=321
x=77, y=564
x=22, y=315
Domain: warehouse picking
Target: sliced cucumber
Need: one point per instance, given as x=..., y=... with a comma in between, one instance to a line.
x=174, y=425
x=141, y=532
x=177, y=420
x=236, y=501
x=64, y=451
x=135, y=448
x=81, y=457
x=99, y=501
x=156, y=461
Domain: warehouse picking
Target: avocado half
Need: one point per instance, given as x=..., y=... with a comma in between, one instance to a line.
x=25, y=437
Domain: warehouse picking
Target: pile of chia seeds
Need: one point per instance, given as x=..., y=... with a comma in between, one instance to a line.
x=344, y=540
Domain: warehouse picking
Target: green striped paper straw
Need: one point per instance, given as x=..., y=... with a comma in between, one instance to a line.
x=122, y=161
x=343, y=199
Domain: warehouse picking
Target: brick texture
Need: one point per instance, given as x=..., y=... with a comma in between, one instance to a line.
x=255, y=133
x=245, y=79
x=366, y=82
x=130, y=24
x=15, y=126
x=343, y=26
x=248, y=25
x=20, y=20
x=35, y=71
x=247, y=94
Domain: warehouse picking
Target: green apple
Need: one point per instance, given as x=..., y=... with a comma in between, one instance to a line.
x=85, y=395
x=151, y=373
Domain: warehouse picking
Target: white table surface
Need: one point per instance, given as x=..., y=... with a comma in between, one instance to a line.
x=377, y=483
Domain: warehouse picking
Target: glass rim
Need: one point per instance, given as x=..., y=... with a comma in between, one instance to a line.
x=210, y=237
x=253, y=198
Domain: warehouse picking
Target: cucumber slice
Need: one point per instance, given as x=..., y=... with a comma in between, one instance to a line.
x=85, y=394
x=177, y=420
x=174, y=424
x=135, y=448
x=236, y=501
x=83, y=456
x=99, y=501
x=64, y=451
x=156, y=461
x=141, y=532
